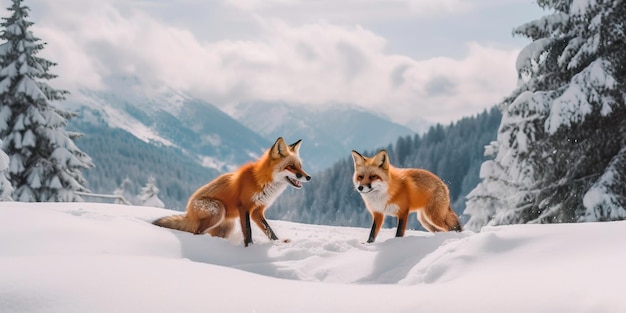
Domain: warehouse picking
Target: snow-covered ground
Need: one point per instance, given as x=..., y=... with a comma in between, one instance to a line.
x=87, y=257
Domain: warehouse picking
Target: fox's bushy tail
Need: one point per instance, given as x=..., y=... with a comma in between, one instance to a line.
x=179, y=222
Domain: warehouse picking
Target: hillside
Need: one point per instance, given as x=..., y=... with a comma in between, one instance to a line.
x=118, y=155
x=168, y=118
x=86, y=257
x=133, y=132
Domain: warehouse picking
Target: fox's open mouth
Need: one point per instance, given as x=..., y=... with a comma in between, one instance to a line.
x=295, y=183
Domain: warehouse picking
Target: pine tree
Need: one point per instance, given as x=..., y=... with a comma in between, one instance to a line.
x=560, y=155
x=45, y=164
x=6, y=189
x=484, y=200
x=149, y=195
x=122, y=191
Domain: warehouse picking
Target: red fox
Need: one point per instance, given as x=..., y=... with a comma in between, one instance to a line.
x=245, y=193
x=387, y=190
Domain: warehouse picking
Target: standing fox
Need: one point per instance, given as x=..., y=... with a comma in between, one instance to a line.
x=244, y=194
x=387, y=190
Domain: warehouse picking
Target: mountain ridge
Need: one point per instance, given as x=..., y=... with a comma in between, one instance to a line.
x=187, y=141
x=328, y=134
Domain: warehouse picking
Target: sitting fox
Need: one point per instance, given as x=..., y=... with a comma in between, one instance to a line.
x=387, y=190
x=244, y=194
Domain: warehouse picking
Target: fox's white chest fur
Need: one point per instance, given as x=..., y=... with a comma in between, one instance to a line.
x=269, y=193
x=377, y=201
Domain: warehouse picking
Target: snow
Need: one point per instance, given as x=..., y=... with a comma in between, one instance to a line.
x=87, y=257
x=10, y=71
x=581, y=6
x=27, y=86
x=600, y=201
x=4, y=160
x=214, y=163
x=5, y=84
x=154, y=201
x=14, y=29
x=117, y=118
x=531, y=53
x=34, y=180
x=149, y=194
x=28, y=140
x=586, y=90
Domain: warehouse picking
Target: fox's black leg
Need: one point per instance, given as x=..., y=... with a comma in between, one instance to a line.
x=378, y=219
x=401, y=227
x=457, y=227
x=248, y=230
x=372, y=233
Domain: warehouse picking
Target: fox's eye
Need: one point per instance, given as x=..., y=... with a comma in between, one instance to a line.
x=291, y=166
x=372, y=177
x=359, y=177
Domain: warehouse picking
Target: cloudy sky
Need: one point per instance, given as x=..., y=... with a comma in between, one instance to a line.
x=435, y=59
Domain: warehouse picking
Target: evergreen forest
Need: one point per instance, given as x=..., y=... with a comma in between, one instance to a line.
x=453, y=152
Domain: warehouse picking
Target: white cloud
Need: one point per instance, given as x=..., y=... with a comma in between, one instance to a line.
x=314, y=63
x=477, y=81
x=350, y=10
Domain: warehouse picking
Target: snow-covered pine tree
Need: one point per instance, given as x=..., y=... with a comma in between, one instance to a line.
x=45, y=164
x=122, y=191
x=6, y=189
x=149, y=195
x=485, y=199
x=561, y=147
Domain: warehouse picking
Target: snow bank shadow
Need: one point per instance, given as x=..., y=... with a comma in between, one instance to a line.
x=328, y=255
x=394, y=261
x=227, y=252
x=456, y=257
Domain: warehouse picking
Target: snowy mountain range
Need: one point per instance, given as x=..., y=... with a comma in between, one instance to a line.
x=328, y=134
x=169, y=118
x=185, y=141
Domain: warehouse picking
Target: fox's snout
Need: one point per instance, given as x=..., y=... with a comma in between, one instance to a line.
x=300, y=175
x=365, y=183
x=361, y=188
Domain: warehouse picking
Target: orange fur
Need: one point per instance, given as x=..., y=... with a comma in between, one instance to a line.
x=245, y=194
x=387, y=190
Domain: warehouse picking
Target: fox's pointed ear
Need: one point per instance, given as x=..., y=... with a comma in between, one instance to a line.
x=295, y=147
x=279, y=149
x=358, y=158
x=382, y=159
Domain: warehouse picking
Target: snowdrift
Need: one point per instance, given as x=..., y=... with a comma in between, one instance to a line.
x=88, y=257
